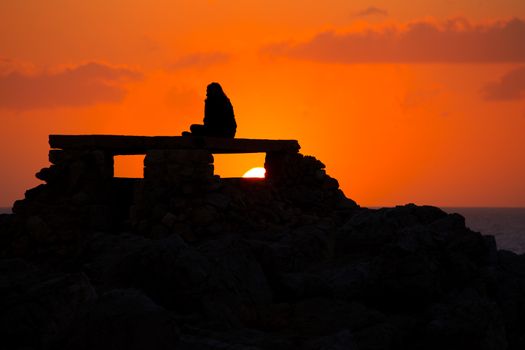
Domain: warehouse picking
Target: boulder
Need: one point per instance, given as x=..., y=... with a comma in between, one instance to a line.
x=37, y=306
x=122, y=319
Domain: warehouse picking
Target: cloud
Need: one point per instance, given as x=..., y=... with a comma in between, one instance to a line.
x=200, y=60
x=453, y=41
x=5, y=65
x=83, y=85
x=511, y=86
x=8, y=65
x=371, y=11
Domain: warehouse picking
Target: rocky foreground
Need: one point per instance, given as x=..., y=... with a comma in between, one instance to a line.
x=185, y=260
x=399, y=278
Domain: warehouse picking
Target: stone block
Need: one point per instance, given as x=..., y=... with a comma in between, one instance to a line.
x=99, y=217
x=56, y=156
x=63, y=156
x=218, y=200
x=122, y=144
x=153, y=172
x=204, y=215
x=169, y=219
x=47, y=174
x=154, y=157
x=189, y=156
x=37, y=228
x=187, y=189
x=177, y=203
x=204, y=169
x=187, y=170
x=184, y=230
x=330, y=183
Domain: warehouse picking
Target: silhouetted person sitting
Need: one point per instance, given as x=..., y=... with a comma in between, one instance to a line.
x=219, y=120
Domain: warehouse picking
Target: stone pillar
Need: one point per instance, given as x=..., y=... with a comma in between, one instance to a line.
x=171, y=199
x=74, y=198
x=303, y=180
x=279, y=167
x=74, y=179
x=81, y=170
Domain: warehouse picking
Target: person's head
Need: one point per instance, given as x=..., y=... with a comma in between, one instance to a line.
x=214, y=90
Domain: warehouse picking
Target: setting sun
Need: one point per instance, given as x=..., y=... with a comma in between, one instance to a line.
x=255, y=173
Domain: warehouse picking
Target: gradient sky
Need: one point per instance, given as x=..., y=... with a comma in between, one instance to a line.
x=403, y=101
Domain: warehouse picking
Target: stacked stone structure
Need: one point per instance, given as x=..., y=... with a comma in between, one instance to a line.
x=179, y=194
x=76, y=197
x=170, y=198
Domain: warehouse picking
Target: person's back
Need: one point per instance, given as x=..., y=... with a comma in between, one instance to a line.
x=219, y=119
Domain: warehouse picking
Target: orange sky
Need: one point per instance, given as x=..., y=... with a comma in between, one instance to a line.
x=403, y=101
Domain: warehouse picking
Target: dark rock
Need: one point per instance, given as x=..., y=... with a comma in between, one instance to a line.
x=218, y=200
x=510, y=296
x=185, y=259
x=236, y=278
x=467, y=320
x=170, y=273
x=6, y=220
x=102, y=253
x=37, y=306
x=371, y=229
x=321, y=316
x=350, y=281
x=242, y=339
x=122, y=319
x=202, y=216
x=404, y=280
x=301, y=285
x=342, y=340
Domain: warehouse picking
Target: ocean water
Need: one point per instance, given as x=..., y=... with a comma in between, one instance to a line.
x=507, y=225
x=5, y=210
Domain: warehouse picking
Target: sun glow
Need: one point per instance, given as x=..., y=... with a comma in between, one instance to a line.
x=255, y=173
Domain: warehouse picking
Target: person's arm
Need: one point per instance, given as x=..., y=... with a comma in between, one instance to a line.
x=231, y=114
x=206, y=112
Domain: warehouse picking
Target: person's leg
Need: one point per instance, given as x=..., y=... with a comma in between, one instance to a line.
x=230, y=133
x=226, y=133
x=198, y=130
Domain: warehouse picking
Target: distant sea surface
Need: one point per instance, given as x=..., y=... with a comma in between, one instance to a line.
x=5, y=210
x=507, y=225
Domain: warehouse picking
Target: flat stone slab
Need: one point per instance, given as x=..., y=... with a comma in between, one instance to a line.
x=134, y=145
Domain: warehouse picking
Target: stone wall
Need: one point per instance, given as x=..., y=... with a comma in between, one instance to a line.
x=303, y=180
x=76, y=196
x=171, y=197
x=179, y=195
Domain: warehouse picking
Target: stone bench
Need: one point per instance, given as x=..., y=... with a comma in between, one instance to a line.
x=178, y=181
x=179, y=191
x=166, y=157
x=135, y=145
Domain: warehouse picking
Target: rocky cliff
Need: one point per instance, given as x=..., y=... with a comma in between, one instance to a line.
x=199, y=262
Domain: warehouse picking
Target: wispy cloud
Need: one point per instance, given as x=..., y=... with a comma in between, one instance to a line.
x=371, y=11
x=510, y=86
x=83, y=85
x=8, y=65
x=200, y=60
x=453, y=41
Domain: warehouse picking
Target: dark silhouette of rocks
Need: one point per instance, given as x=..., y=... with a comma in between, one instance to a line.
x=219, y=120
x=184, y=259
